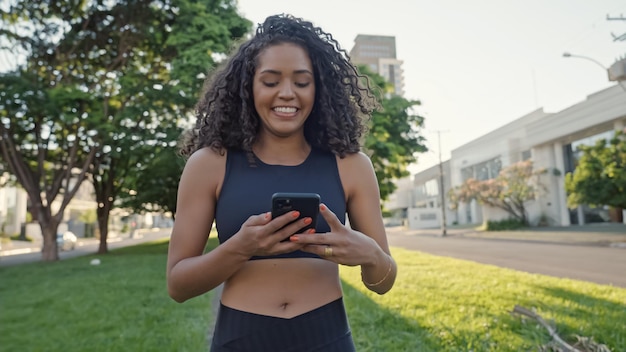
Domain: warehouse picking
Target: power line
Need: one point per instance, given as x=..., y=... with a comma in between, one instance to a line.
x=621, y=37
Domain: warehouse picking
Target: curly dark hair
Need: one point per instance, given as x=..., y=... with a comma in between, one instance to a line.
x=227, y=118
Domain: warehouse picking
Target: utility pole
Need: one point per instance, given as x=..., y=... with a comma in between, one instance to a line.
x=442, y=188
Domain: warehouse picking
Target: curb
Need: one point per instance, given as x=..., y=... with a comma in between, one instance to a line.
x=591, y=239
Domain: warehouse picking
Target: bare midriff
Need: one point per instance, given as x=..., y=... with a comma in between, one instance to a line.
x=282, y=288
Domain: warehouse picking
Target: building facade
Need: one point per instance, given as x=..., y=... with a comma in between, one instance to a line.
x=379, y=54
x=550, y=140
x=417, y=202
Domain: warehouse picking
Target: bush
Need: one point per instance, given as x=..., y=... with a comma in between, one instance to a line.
x=504, y=225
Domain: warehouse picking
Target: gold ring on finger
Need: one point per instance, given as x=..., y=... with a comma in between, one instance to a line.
x=328, y=251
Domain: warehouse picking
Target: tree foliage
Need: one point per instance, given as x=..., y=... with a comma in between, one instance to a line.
x=104, y=85
x=156, y=187
x=393, y=141
x=514, y=186
x=394, y=138
x=600, y=176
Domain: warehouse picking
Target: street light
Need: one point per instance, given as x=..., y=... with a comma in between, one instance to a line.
x=608, y=72
x=566, y=54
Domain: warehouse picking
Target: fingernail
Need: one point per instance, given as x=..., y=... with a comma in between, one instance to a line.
x=267, y=215
x=323, y=207
x=295, y=214
x=307, y=221
x=311, y=231
x=293, y=238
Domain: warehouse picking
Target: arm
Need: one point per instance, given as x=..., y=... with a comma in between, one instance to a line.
x=187, y=274
x=365, y=243
x=363, y=207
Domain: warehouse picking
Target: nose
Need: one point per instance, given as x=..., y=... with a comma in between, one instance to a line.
x=286, y=91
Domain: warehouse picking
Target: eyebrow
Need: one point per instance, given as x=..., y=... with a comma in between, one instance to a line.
x=276, y=72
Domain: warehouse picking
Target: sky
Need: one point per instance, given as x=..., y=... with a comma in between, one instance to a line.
x=477, y=65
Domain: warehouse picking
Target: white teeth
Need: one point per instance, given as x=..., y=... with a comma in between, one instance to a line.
x=285, y=109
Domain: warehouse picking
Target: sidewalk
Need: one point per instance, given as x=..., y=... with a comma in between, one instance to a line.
x=612, y=235
x=23, y=247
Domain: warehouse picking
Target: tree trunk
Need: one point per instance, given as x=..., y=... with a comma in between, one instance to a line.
x=50, y=251
x=103, y=221
x=48, y=225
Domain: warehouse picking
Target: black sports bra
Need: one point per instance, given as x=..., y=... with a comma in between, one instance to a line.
x=247, y=190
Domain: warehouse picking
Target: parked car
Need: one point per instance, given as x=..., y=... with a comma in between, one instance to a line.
x=66, y=241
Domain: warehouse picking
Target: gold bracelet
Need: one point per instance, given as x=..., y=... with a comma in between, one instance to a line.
x=381, y=280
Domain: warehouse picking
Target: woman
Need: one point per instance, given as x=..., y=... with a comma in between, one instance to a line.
x=284, y=114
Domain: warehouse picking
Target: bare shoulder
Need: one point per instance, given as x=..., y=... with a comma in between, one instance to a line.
x=356, y=171
x=355, y=161
x=205, y=168
x=207, y=156
x=206, y=159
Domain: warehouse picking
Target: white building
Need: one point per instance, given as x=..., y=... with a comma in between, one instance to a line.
x=13, y=201
x=550, y=140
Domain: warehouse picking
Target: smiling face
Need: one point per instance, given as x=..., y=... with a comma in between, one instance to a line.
x=283, y=89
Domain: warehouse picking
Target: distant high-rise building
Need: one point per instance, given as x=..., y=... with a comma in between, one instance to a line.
x=378, y=52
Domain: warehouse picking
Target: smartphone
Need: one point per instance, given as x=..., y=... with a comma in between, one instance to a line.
x=308, y=204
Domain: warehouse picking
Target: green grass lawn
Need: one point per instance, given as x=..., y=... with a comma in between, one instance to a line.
x=437, y=304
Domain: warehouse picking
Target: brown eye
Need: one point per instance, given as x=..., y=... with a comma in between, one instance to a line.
x=302, y=85
x=270, y=84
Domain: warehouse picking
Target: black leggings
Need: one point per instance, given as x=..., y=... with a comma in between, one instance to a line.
x=323, y=329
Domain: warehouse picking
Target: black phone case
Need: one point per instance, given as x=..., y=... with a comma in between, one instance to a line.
x=306, y=203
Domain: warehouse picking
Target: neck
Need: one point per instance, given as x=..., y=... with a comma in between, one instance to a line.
x=285, y=151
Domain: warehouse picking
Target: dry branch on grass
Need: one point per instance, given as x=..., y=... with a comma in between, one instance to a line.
x=586, y=343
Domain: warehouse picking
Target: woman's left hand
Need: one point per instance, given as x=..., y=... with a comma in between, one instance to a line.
x=341, y=245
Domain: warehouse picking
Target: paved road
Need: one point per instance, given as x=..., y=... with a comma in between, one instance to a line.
x=599, y=264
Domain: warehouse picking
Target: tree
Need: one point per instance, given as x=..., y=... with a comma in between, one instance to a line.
x=102, y=84
x=600, y=176
x=165, y=58
x=394, y=136
x=43, y=141
x=514, y=186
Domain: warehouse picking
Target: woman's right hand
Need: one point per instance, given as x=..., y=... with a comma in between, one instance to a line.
x=261, y=235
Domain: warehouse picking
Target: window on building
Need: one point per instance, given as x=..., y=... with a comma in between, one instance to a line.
x=571, y=152
x=432, y=188
x=467, y=173
x=482, y=171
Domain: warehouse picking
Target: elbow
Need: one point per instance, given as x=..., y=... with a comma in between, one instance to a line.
x=176, y=295
x=174, y=290
x=382, y=290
